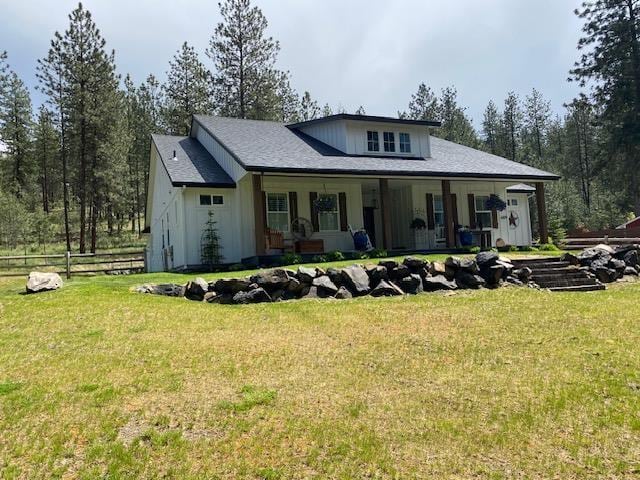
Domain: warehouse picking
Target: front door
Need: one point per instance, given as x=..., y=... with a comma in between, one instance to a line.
x=369, y=223
x=517, y=220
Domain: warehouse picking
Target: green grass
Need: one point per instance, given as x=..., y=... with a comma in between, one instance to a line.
x=99, y=382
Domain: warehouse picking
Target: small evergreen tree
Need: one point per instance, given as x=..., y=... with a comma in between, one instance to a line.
x=210, y=245
x=309, y=108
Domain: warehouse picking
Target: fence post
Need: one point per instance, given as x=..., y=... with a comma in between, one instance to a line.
x=68, y=265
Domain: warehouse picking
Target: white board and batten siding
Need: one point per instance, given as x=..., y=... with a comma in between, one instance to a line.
x=332, y=133
x=357, y=138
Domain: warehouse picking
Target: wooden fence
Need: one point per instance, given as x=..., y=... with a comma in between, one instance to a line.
x=73, y=263
x=613, y=236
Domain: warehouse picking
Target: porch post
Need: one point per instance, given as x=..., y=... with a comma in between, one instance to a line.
x=385, y=210
x=542, y=213
x=449, y=232
x=258, y=215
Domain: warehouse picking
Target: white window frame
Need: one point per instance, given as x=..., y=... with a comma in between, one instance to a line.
x=376, y=141
x=484, y=210
x=211, y=203
x=279, y=212
x=440, y=234
x=389, y=139
x=407, y=143
x=335, y=212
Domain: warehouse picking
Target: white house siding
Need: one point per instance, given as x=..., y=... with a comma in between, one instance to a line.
x=357, y=138
x=331, y=133
x=222, y=156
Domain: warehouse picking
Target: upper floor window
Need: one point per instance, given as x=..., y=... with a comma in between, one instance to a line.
x=278, y=211
x=389, y=142
x=405, y=143
x=373, y=144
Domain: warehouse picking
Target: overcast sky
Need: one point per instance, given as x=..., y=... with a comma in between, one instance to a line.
x=349, y=52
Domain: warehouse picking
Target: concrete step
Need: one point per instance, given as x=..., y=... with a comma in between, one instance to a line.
x=579, y=288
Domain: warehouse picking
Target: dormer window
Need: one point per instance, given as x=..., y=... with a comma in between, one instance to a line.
x=405, y=143
x=373, y=143
x=389, y=142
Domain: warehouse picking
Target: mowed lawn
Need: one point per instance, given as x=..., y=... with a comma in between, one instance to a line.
x=99, y=382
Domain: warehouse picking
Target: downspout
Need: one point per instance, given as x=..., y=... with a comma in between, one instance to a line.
x=184, y=224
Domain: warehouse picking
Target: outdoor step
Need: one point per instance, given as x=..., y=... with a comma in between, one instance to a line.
x=545, y=270
x=529, y=261
x=579, y=288
x=559, y=274
x=566, y=282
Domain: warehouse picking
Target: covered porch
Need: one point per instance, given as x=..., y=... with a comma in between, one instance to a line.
x=399, y=214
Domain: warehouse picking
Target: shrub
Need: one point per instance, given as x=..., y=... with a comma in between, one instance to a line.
x=361, y=256
x=291, y=259
x=335, y=256
x=319, y=259
x=377, y=253
x=474, y=250
x=508, y=248
x=548, y=247
x=236, y=267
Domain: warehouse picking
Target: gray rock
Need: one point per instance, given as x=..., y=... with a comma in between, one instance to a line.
x=386, y=289
x=572, y=259
x=376, y=274
x=630, y=258
x=523, y=274
x=388, y=264
x=343, y=294
x=210, y=297
x=411, y=284
x=469, y=265
x=630, y=271
x=605, y=275
x=452, y=262
x=169, y=290
x=258, y=295
x=306, y=274
x=310, y=292
x=486, y=259
x=271, y=280
x=514, y=281
x=356, y=279
x=230, y=285
x=295, y=286
x=618, y=266
x=196, y=288
x=437, y=268
x=415, y=264
x=465, y=279
x=220, y=298
x=492, y=274
x=335, y=275
x=438, y=282
x=398, y=273
x=43, y=282
x=325, y=285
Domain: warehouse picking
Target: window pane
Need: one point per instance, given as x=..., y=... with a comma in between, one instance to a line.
x=217, y=199
x=389, y=142
x=277, y=202
x=481, y=203
x=328, y=221
x=514, y=202
x=405, y=143
x=437, y=203
x=205, y=199
x=373, y=144
x=278, y=221
x=483, y=219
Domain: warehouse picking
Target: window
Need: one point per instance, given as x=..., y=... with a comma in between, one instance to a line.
x=389, y=142
x=278, y=211
x=405, y=143
x=483, y=216
x=373, y=144
x=512, y=202
x=438, y=216
x=328, y=221
x=207, y=200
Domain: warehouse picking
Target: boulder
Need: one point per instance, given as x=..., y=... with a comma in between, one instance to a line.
x=310, y=292
x=437, y=268
x=295, y=286
x=43, y=282
x=169, y=290
x=630, y=258
x=513, y=281
x=630, y=271
x=572, y=259
x=388, y=264
x=220, y=298
x=306, y=274
x=594, y=257
x=196, y=288
x=230, y=285
x=335, y=275
x=415, y=264
x=376, y=274
x=271, y=280
x=486, y=259
x=618, y=266
x=469, y=265
x=259, y=295
x=606, y=275
x=343, y=294
x=523, y=274
x=465, y=279
x=492, y=274
x=411, y=284
x=452, y=262
x=438, y=282
x=399, y=272
x=356, y=279
x=325, y=285
x=210, y=297
x=386, y=289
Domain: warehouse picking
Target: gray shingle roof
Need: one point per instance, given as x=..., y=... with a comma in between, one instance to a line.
x=272, y=146
x=193, y=164
x=521, y=188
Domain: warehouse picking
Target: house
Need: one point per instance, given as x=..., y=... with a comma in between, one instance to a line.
x=333, y=173
x=634, y=223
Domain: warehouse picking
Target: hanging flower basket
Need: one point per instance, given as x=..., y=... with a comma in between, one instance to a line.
x=418, y=224
x=325, y=203
x=495, y=203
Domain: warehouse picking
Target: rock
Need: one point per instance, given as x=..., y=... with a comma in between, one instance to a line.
x=386, y=289
x=356, y=278
x=169, y=289
x=605, y=275
x=411, y=284
x=415, y=264
x=388, y=264
x=398, y=273
x=523, y=274
x=486, y=259
x=310, y=292
x=492, y=274
x=258, y=295
x=43, y=282
x=325, y=285
x=306, y=274
x=335, y=275
x=437, y=268
x=376, y=274
x=594, y=257
x=605, y=248
x=271, y=280
x=220, y=298
x=438, y=282
x=630, y=271
x=465, y=279
x=210, y=297
x=452, y=262
x=618, y=266
x=514, y=281
x=469, y=265
x=343, y=294
x=295, y=286
x=146, y=288
x=622, y=250
x=572, y=259
x=630, y=258
x=230, y=285
x=196, y=288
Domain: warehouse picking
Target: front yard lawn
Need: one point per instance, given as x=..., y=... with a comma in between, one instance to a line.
x=100, y=382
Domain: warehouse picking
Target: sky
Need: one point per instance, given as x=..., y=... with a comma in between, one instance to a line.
x=372, y=53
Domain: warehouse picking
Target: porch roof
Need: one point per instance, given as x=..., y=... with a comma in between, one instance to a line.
x=192, y=165
x=263, y=146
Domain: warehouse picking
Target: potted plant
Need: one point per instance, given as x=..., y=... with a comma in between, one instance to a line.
x=418, y=224
x=494, y=202
x=325, y=203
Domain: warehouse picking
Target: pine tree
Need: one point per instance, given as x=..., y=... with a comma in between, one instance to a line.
x=246, y=80
x=46, y=154
x=360, y=111
x=456, y=127
x=15, y=133
x=187, y=90
x=511, y=125
x=326, y=110
x=424, y=104
x=491, y=127
x=309, y=108
x=288, y=100
x=210, y=244
x=537, y=112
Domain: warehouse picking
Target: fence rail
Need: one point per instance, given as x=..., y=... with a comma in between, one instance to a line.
x=73, y=263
